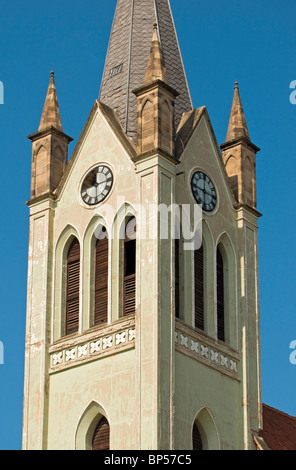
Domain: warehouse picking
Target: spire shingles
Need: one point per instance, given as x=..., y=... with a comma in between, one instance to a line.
x=127, y=57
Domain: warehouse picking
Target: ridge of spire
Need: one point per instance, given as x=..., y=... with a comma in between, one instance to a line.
x=51, y=113
x=237, y=126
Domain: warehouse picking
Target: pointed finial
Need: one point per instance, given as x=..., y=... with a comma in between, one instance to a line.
x=237, y=123
x=156, y=68
x=51, y=113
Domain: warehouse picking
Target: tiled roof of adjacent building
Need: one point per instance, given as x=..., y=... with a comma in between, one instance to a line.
x=279, y=429
x=128, y=54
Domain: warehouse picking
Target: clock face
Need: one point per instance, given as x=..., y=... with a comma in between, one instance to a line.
x=204, y=191
x=97, y=185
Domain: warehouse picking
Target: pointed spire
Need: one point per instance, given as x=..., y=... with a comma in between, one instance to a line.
x=237, y=123
x=127, y=57
x=156, y=68
x=51, y=113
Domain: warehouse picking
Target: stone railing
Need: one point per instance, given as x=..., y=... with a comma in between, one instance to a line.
x=99, y=342
x=206, y=350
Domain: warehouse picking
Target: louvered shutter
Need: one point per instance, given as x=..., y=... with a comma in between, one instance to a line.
x=72, y=291
x=220, y=297
x=177, y=278
x=196, y=438
x=199, y=288
x=129, y=300
x=129, y=280
x=101, y=282
x=101, y=438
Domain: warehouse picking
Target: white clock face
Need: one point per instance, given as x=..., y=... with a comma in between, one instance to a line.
x=204, y=191
x=97, y=185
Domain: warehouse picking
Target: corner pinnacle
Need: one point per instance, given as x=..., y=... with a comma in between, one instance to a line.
x=51, y=114
x=156, y=69
x=237, y=123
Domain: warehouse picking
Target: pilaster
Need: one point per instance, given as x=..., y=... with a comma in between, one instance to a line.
x=39, y=297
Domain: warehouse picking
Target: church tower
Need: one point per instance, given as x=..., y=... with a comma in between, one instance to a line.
x=142, y=309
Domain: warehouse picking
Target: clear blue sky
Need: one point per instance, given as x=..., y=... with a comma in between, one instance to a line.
x=221, y=41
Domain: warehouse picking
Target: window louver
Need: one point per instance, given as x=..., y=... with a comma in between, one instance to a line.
x=129, y=279
x=220, y=297
x=101, y=438
x=199, y=288
x=101, y=282
x=72, y=291
x=177, y=278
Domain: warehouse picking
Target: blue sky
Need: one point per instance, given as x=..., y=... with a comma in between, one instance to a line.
x=221, y=41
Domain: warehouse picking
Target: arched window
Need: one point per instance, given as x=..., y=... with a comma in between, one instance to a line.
x=72, y=288
x=101, y=437
x=196, y=438
x=220, y=297
x=101, y=279
x=147, y=122
x=129, y=268
x=204, y=432
x=199, y=288
x=177, y=278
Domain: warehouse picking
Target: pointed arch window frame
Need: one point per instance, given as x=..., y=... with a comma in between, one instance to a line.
x=60, y=268
x=129, y=280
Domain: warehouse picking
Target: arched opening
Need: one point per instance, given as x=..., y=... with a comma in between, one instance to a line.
x=196, y=438
x=177, y=278
x=166, y=128
x=232, y=172
x=226, y=292
x=204, y=432
x=129, y=268
x=220, y=297
x=41, y=162
x=101, y=279
x=72, y=288
x=248, y=181
x=64, y=242
x=147, y=122
x=199, y=288
x=101, y=437
x=93, y=430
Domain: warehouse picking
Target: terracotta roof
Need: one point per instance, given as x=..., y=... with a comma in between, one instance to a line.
x=279, y=429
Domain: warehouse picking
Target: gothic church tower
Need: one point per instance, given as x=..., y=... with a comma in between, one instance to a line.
x=137, y=338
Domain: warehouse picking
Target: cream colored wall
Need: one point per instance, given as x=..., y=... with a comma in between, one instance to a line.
x=235, y=402
x=219, y=226
x=72, y=215
x=112, y=383
x=150, y=393
x=210, y=389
